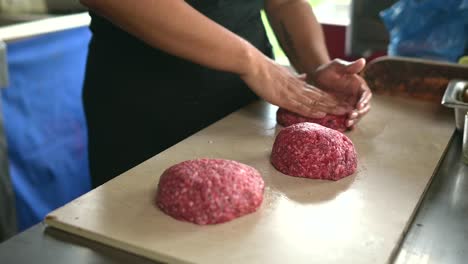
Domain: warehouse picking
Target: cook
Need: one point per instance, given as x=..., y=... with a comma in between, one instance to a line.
x=160, y=70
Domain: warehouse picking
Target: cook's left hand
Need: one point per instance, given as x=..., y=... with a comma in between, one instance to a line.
x=341, y=79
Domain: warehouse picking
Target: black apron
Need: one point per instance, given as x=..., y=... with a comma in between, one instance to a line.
x=139, y=100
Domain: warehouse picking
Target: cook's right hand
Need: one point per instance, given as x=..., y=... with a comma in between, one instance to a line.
x=279, y=86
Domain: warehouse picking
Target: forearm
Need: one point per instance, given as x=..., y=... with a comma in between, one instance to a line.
x=299, y=33
x=176, y=28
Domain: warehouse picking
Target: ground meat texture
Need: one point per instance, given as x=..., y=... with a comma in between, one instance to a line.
x=209, y=191
x=313, y=151
x=287, y=118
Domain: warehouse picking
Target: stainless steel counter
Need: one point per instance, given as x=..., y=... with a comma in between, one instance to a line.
x=438, y=233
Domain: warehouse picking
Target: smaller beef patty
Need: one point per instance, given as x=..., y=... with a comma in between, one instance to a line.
x=209, y=191
x=287, y=118
x=313, y=151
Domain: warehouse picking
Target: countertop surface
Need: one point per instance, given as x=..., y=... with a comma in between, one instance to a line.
x=437, y=234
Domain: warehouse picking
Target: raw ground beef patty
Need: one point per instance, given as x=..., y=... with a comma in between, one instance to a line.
x=287, y=118
x=313, y=151
x=209, y=191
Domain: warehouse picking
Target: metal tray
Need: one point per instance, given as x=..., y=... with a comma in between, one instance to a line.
x=453, y=99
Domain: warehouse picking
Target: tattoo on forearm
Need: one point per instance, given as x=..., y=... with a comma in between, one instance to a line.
x=288, y=44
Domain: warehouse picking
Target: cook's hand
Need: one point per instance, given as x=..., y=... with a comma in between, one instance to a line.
x=341, y=79
x=281, y=87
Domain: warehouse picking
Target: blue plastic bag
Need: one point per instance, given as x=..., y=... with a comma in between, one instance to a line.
x=44, y=122
x=432, y=29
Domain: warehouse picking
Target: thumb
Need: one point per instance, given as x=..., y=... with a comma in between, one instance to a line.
x=302, y=77
x=355, y=66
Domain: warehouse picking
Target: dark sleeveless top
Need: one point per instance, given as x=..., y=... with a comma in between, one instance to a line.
x=139, y=100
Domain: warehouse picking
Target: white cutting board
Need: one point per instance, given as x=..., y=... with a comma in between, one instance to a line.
x=359, y=219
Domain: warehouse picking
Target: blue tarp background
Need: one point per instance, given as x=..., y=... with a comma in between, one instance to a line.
x=44, y=122
x=431, y=29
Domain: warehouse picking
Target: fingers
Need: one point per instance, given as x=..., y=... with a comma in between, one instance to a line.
x=349, y=92
x=364, y=111
x=313, y=105
x=319, y=95
x=359, y=94
x=304, y=109
x=356, y=116
x=312, y=102
x=325, y=102
x=365, y=99
x=303, y=99
x=302, y=77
